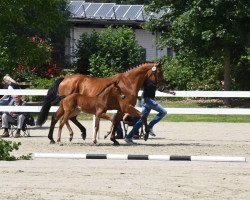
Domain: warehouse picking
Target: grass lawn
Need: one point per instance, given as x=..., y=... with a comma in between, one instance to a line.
x=197, y=103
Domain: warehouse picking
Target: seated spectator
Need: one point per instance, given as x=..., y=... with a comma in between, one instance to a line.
x=13, y=117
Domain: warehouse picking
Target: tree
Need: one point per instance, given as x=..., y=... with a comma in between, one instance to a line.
x=86, y=46
x=212, y=29
x=111, y=51
x=21, y=20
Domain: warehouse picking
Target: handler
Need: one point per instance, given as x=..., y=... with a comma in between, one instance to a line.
x=148, y=103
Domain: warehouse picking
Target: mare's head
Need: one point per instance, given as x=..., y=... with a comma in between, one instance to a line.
x=155, y=74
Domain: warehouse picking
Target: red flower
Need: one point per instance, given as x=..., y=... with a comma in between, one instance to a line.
x=19, y=67
x=34, y=70
x=33, y=39
x=50, y=71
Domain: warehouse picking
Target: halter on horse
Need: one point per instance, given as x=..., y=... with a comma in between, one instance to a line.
x=129, y=82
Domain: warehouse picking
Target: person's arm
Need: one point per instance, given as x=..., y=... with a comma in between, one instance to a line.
x=23, y=103
x=11, y=104
x=171, y=92
x=6, y=96
x=164, y=89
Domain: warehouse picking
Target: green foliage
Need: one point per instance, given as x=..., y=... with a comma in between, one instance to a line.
x=214, y=30
x=86, y=47
x=182, y=73
x=8, y=146
x=102, y=70
x=242, y=74
x=42, y=83
x=23, y=19
x=23, y=76
x=112, y=50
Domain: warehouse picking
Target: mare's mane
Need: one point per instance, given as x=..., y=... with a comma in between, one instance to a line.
x=139, y=65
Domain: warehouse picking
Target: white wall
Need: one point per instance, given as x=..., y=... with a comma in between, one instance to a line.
x=145, y=39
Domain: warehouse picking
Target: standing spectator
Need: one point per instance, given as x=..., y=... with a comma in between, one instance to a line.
x=13, y=117
x=148, y=103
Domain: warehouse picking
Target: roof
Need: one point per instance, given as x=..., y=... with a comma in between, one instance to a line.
x=81, y=10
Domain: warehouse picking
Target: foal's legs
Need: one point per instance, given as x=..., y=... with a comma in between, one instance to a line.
x=59, y=132
x=97, y=124
x=70, y=131
x=136, y=113
x=109, y=132
x=62, y=122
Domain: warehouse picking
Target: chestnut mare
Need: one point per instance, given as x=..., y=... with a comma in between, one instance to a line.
x=73, y=104
x=129, y=82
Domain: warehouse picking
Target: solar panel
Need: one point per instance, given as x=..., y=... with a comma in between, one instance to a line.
x=141, y=16
x=104, y=10
x=80, y=11
x=92, y=9
x=121, y=11
x=74, y=6
x=133, y=12
x=111, y=12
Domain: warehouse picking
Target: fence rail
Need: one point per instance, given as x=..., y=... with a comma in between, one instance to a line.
x=208, y=94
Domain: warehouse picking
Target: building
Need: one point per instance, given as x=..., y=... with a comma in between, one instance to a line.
x=86, y=17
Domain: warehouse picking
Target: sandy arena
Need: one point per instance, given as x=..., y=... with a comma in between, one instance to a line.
x=52, y=179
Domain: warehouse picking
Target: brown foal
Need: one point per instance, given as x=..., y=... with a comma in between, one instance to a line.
x=75, y=103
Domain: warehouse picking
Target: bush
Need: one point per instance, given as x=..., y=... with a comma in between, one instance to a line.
x=242, y=74
x=41, y=83
x=183, y=73
x=8, y=146
x=111, y=51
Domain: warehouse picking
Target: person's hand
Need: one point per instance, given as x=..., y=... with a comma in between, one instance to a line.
x=11, y=113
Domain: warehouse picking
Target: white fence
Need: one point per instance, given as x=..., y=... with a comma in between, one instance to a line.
x=213, y=111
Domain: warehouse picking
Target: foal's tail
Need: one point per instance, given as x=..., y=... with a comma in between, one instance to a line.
x=51, y=99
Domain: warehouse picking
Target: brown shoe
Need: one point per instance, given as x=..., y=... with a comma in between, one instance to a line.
x=5, y=134
x=17, y=135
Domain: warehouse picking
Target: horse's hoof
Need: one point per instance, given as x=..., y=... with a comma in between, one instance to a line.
x=95, y=141
x=116, y=143
x=83, y=136
x=105, y=136
x=52, y=141
x=71, y=137
x=145, y=136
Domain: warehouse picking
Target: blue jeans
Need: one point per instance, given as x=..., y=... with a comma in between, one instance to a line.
x=146, y=108
x=4, y=102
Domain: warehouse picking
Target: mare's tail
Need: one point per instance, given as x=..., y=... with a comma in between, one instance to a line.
x=49, y=100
